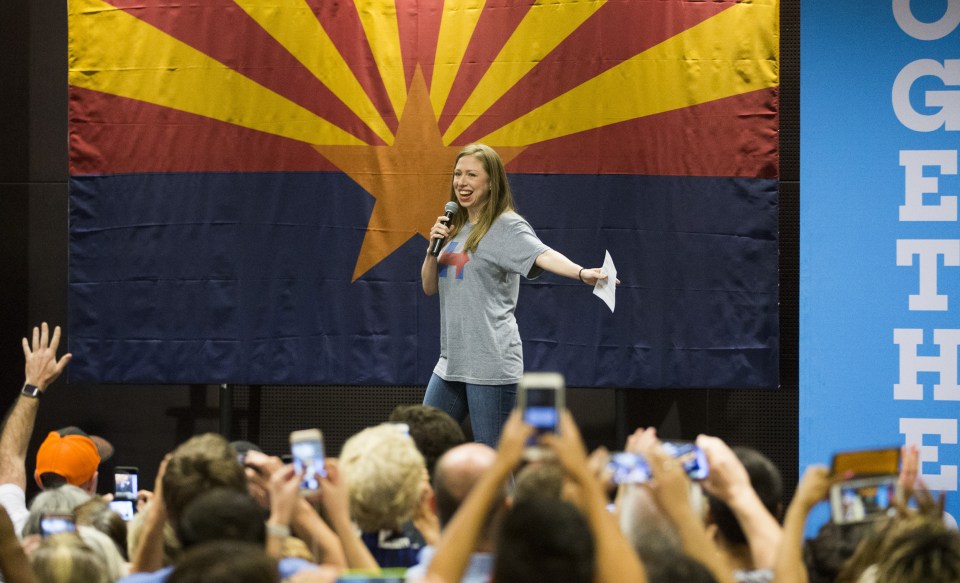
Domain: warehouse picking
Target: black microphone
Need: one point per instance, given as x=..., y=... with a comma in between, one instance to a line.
x=449, y=210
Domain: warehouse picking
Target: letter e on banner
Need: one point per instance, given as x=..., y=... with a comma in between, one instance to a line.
x=916, y=185
x=913, y=431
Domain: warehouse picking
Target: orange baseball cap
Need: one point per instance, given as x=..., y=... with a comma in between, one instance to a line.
x=73, y=456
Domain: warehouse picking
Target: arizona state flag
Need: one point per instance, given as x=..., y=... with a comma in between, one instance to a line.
x=252, y=183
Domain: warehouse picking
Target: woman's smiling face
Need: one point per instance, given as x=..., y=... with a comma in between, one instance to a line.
x=471, y=184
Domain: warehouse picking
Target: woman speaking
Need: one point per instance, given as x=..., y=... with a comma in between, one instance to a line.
x=488, y=246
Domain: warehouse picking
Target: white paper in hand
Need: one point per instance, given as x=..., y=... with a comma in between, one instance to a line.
x=606, y=289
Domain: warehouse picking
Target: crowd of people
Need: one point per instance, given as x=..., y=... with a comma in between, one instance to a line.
x=411, y=499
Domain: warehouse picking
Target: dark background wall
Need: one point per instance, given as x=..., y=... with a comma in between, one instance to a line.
x=144, y=422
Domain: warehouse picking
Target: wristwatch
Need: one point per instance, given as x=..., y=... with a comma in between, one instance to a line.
x=32, y=391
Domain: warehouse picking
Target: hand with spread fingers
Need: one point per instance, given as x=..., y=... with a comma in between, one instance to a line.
x=41, y=366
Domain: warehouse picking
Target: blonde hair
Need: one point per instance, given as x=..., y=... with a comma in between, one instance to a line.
x=499, y=201
x=171, y=546
x=101, y=544
x=384, y=473
x=65, y=558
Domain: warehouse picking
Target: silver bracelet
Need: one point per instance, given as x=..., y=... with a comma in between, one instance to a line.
x=278, y=530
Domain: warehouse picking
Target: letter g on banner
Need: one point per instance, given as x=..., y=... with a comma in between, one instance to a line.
x=948, y=116
x=926, y=30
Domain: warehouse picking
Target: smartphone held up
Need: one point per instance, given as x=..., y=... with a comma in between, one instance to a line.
x=872, y=489
x=306, y=448
x=864, y=499
x=125, y=483
x=540, y=397
x=632, y=468
x=125, y=508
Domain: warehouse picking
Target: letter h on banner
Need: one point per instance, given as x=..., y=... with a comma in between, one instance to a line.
x=911, y=363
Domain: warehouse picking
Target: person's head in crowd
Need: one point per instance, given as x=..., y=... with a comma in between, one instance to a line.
x=198, y=465
x=766, y=481
x=432, y=430
x=544, y=539
x=456, y=473
x=826, y=553
x=922, y=550
x=536, y=480
x=96, y=513
x=70, y=456
x=905, y=548
x=673, y=566
x=171, y=546
x=65, y=558
x=222, y=514
x=248, y=455
x=62, y=500
x=225, y=561
x=384, y=473
x=650, y=532
x=101, y=544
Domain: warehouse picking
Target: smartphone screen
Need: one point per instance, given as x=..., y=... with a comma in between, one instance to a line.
x=56, y=523
x=632, y=468
x=306, y=448
x=125, y=483
x=125, y=508
x=540, y=395
x=690, y=456
x=540, y=411
x=540, y=398
x=628, y=468
x=863, y=499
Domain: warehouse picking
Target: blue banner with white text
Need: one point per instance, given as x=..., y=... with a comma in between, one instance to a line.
x=880, y=247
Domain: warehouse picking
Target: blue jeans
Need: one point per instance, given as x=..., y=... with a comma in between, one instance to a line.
x=488, y=405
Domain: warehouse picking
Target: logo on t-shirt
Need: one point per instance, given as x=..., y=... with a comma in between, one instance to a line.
x=451, y=257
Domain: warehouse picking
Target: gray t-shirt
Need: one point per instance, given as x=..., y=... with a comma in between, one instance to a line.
x=479, y=338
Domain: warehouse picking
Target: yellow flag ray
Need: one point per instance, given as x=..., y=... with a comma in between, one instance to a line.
x=546, y=25
x=732, y=53
x=113, y=52
x=379, y=20
x=457, y=23
x=296, y=27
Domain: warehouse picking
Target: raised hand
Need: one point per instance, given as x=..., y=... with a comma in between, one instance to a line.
x=41, y=366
